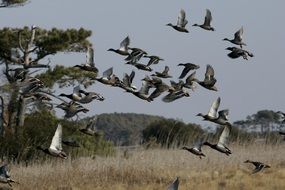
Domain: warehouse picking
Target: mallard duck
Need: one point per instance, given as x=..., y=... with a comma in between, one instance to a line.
x=160, y=87
x=153, y=59
x=124, y=47
x=209, y=80
x=108, y=77
x=143, y=92
x=5, y=176
x=140, y=66
x=89, y=65
x=196, y=149
x=163, y=74
x=258, y=166
x=207, y=22
x=222, y=119
x=175, y=95
x=71, y=109
x=181, y=23
x=75, y=96
x=237, y=38
x=135, y=55
x=189, y=82
x=221, y=146
x=89, y=96
x=237, y=52
x=174, y=185
x=127, y=82
x=55, y=148
x=90, y=128
x=187, y=67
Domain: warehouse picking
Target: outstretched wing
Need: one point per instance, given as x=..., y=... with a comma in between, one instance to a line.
x=223, y=140
x=108, y=73
x=124, y=44
x=208, y=18
x=238, y=34
x=224, y=114
x=214, y=108
x=181, y=19
x=56, y=143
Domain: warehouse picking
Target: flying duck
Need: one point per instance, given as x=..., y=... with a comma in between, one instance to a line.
x=174, y=95
x=163, y=74
x=189, y=82
x=181, y=23
x=209, y=80
x=221, y=119
x=207, y=22
x=143, y=92
x=75, y=96
x=140, y=66
x=196, y=149
x=109, y=78
x=71, y=109
x=124, y=47
x=160, y=88
x=153, y=59
x=55, y=148
x=237, y=52
x=237, y=38
x=90, y=128
x=187, y=67
x=258, y=166
x=221, y=146
x=127, y=82
x=5, y=176
x=89, y=65
x=135, y=55
x=89, y=96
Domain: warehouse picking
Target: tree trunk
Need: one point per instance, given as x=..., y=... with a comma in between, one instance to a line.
x=21, y=112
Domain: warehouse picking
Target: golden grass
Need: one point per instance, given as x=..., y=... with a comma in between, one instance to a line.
x=155, y=169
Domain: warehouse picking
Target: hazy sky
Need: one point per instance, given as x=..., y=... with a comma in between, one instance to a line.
x=244, y=86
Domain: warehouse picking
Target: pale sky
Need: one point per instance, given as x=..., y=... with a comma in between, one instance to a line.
x=244, y=86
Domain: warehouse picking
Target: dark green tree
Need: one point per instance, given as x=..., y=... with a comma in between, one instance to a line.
x=22, y=50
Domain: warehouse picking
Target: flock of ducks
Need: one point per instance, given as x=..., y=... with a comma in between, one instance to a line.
x=33, y=87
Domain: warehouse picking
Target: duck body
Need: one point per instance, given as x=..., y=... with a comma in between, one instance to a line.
x=220, y=148
x=195, y=151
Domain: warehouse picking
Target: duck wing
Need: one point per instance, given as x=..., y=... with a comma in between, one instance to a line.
x=124, y=44
x=209, y=75
x=184, y=72
x=224, y=138
x=181, y=19
x=165, y=71
x=258, y=167
x=108, y=73
x=214, y=108
x=190, y=78
x=174, y=185
x=224, y=114
x=56, y=143
x=238, y=34
x=208, y=18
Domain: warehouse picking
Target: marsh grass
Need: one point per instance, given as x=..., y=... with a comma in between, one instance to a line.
x=154, y=169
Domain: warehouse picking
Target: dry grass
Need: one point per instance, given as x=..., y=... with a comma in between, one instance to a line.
x=155, y=169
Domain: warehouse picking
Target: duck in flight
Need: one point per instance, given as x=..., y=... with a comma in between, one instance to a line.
x=181, y=22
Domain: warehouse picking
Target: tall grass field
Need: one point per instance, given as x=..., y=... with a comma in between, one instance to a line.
x=155, y=169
